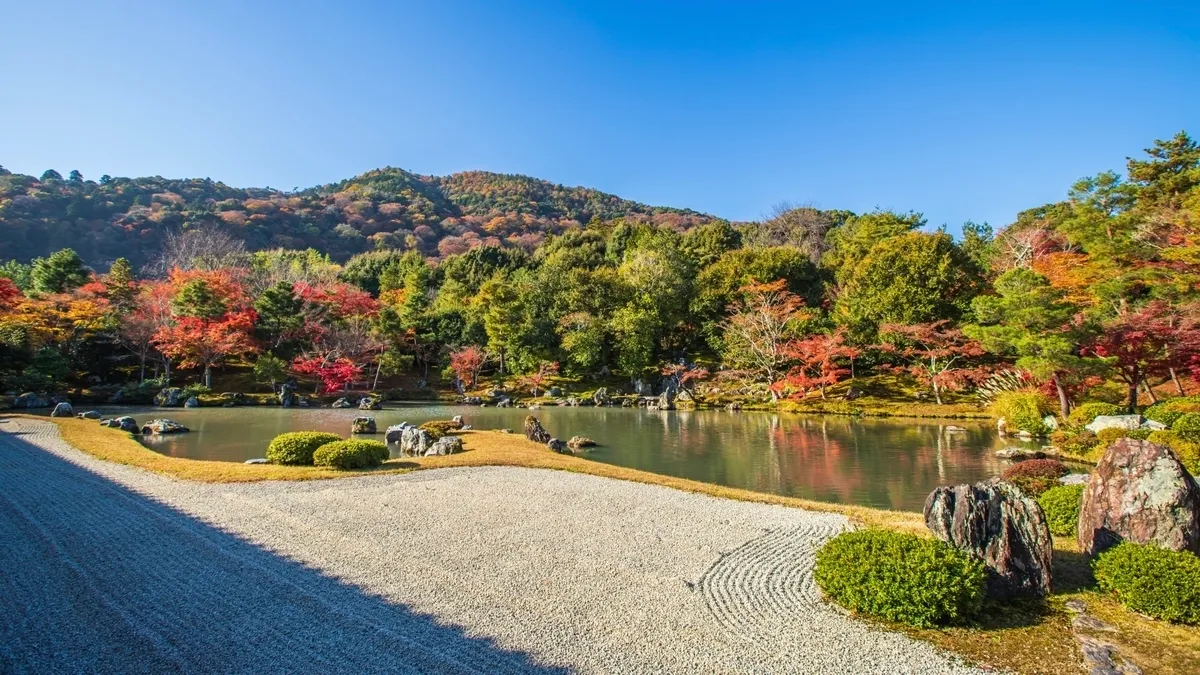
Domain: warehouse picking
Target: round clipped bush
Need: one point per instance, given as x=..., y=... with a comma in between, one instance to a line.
x=900, y=577
x=1157, y=582
x=1109, y=436
x=1035, y=476
x=352, y=454
x=439, y=428
x=1187, y=427
x=1074, y=441
x=1023, y=410
x=1083, y=414
x=1061, y=506
x=297, y=447
x=1188, y=452
x=1163, y=413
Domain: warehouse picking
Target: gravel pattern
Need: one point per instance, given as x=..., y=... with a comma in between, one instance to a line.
x=497, y=569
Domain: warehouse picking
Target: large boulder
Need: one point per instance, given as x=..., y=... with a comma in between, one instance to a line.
x=1000, y=525
x=31, y=400
x=601, y=397
x=370, y=403
x=558, y=446
x=63, y=409
x=446, y=445
x=1129, y=422
x=123, y=423
x=414, y=441
x=287, y=395
x=534, y=430
x=342, y=402
x=1140, y=492
x=89, y=415
x=363, y=425
x=666, y=400
x=163, y=426
x=170, y=397
x=394, y=432
x=192, y=402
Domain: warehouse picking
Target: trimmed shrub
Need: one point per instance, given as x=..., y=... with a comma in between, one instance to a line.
x=1162, y=412
x=1187, y=427
x=439, y=428
x=297, y=447
x=1188, y=452
x=1035, y=476
x=1074, y=441
x=351, y=454
x=1109, y=436
x=1023, y=410
x=1163, y=584
x=1083, y=414
x=901, y=577
x=1061, y=505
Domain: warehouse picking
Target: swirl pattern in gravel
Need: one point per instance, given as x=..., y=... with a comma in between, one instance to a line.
x=500, y=569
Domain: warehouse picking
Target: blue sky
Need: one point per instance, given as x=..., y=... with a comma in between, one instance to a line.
x=959, y=110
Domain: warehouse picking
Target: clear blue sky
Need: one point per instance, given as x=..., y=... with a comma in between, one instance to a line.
x=961, y=110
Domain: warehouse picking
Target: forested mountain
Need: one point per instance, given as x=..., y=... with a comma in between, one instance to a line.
x=386, y=208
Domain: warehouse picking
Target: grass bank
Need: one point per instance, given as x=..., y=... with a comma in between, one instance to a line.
x=1031, y=637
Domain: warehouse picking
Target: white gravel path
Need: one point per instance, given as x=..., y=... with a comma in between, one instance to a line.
x=107, y=568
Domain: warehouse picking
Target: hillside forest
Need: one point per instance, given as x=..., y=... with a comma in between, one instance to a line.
x=477, y=277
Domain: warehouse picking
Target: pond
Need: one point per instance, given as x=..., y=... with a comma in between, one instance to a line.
x=885, y=463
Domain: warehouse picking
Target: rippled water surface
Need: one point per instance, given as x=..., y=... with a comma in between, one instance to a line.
x=888, y=463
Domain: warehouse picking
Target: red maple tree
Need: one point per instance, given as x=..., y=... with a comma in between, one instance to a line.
x=466, y=363
x=937, y=354
x=203, y=343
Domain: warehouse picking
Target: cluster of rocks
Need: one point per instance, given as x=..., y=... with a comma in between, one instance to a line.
x=535, y=432
x=417, y=442
x=1139, y=492
x=31, y=400
x=124, y=423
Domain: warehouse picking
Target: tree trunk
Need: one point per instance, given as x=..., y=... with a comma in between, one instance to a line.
x=142, y=378
x=1149, y=390
x=937, y=394
x=1064, y=404
x=1178, y=384
x=376, y=382
x=208, y=376
x=1133, y=396
x=167, y=370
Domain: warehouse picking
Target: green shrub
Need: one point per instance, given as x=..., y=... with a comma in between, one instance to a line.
x=1110, y=436
x=352, y=454
x=297, y=447
x=196, y=390
x=1061, y=505
x=1023, y=410
x=1035, y=476
x=1162, y=412
x=1074, y=441
x=1083, y=414
x=439, y=428
x=1188, y=452
x=900, y=577
x=1163, y=584
x=1188, y=427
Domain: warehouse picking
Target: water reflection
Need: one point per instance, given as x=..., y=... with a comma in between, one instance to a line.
x=885, y=463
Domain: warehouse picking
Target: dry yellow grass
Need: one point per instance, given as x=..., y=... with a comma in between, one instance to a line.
x=1034, y=638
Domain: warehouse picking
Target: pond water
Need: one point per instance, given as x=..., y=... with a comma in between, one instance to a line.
x=886, y=463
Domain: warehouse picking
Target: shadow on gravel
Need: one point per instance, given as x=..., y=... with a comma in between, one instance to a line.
x=99, y=578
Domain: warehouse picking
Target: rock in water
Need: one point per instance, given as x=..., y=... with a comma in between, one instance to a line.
x=1140, y=492
x=535, y=432
x=163, y=426
x=31, y=400
x=363, y=425
x=601, y=397
x=370, y=403
x=342, y=403
x=171, y=397
x=63, y=410
x=1001, y=526
x=287, y=395
x=578, y=442
x=558, y=446
x=192, y=402
x=89, y=415
x=395, y=432
x=123, y=423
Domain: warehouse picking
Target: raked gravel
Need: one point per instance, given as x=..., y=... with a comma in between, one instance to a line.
x=107, y=568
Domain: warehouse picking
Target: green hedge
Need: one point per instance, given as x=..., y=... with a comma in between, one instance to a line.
x=1187, y=427
x=297, y=447
x=1162, y=412
x=901, y=577
x=352, y=454
x=1188, y=452
x=1023, y=410
x=1083, y=414
x=1061, y=506
x=1163, y=584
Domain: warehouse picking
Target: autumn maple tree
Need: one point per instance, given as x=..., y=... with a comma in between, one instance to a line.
x=821, y=361
x=466, y=362
x=760, y=328
x=196, y=342
x=335, y=374
x=1148, y=342
x=938, y=355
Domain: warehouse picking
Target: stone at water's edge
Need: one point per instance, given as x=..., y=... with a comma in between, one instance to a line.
x=414, y=441
x=395, y=432
x=63, y=410
x=123, y=423
x=535, y=432
x=89, y=415
x=446, y=445
x=163, y=426
x=287, y=395
x=370, y=403
x=1140, y=492
x=31, y=400
x=558, y=446
x=578, y=442
x=1000, y=525
x=342, y=403
x=192, y=402
x=363, y=425
x=170, y=397
x=258, y=460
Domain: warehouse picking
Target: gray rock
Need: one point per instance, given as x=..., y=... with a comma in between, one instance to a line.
x=163, y=426
x=31, y=400
x=287, y=395
x=1075, y=479
x=414, y=441
x=666, y=401
x=192, y=402
x=123, y=423
x=363, y=425
x=170, y=397
x=89, y=415
x=1151, y=425
x=1103, y=422
x=554, y=392
x=63, y=409
x=601, y=397
x=1018, y=453
x=1140, y=492
x=446, y=445
x=259, y=460
x=578, y=442
x=534, y=430
x=370, y=403
x=394, y=432
x=342, y=403
x=505, y=402
x=558, y=446
x=1000, y=525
